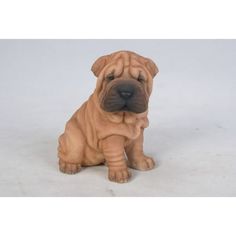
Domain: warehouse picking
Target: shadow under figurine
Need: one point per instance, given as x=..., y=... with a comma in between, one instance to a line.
x=109, y=125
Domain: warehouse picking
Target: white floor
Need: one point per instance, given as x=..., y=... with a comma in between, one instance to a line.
x=192, y=132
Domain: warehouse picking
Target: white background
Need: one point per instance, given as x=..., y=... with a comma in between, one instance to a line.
x=192, y=117
x=96, y=19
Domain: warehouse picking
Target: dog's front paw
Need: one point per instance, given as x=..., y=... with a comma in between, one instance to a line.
x=69, y=168
x=119, y=176
x=144, y=163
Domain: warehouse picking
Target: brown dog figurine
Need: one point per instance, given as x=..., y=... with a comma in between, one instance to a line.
x=109, y=125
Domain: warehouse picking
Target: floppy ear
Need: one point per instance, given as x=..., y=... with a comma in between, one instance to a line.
x=99, y=64
x=151, y=66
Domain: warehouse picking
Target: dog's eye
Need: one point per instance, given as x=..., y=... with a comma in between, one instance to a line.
x=141, y=79
x=110, y=77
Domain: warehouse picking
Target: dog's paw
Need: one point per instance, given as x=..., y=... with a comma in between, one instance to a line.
x=145, y=163
x=119, y=176
x=69, y=168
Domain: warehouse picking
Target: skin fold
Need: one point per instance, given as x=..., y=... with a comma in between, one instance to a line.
x=108, y=127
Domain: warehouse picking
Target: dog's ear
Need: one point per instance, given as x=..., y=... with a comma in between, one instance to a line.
x=152, y=67
x=99, y=64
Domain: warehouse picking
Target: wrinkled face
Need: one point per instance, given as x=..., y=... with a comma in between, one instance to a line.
x=124, y=92
x=124, y=83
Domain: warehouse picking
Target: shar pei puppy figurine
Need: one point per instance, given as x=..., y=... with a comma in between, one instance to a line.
x=108, y=127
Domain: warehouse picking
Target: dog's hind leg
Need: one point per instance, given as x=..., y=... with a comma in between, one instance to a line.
x=71, y=149
x=136, y=158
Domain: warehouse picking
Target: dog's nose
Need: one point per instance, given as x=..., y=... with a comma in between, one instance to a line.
x=126, y=91
x=126, y=94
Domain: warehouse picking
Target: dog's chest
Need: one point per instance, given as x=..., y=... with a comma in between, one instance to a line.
x=129, y=127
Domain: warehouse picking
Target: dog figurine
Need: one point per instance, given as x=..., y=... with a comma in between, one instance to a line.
x=109, y=126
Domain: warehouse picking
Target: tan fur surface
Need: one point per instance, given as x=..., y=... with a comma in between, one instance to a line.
x=93, y=136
